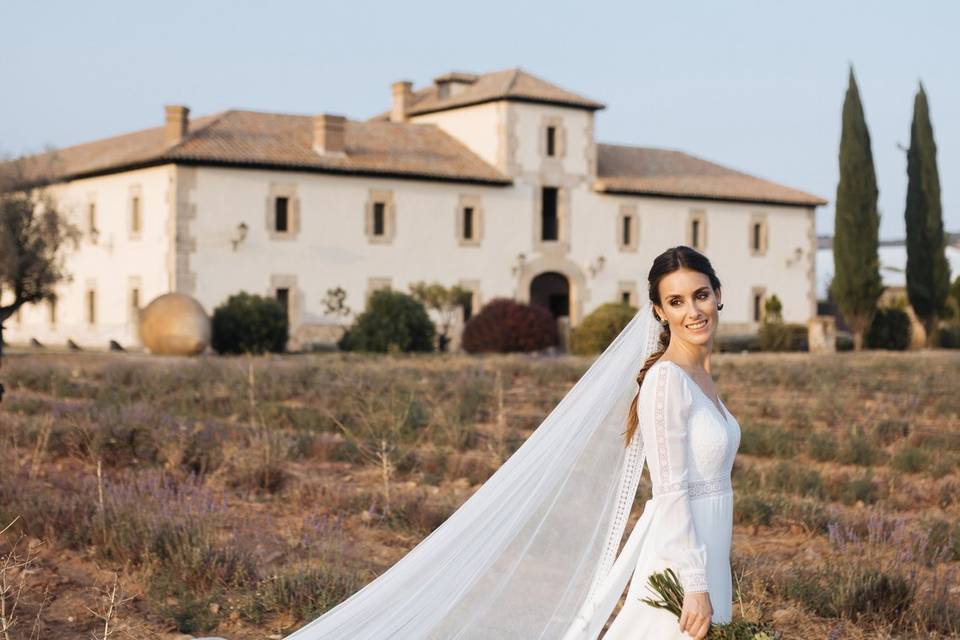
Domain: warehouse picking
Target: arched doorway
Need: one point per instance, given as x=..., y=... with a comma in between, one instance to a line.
x=551, y=290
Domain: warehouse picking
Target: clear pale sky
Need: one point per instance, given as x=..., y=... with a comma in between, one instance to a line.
x=757, y=86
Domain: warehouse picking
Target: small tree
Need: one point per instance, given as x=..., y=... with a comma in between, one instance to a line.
x=773, y=309
x=928, y=273
x=445, y=302
x=33, y=232
x=334, y=303
x=856, y=284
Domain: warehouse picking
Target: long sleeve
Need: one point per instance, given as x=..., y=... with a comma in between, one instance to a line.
x=663, y=412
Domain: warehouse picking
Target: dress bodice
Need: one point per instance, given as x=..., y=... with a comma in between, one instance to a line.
x=713, y=437
x=710, y=440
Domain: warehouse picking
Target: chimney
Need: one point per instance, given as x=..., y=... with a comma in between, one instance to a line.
x=402, y=93
x=177, y=124
x=328, y=134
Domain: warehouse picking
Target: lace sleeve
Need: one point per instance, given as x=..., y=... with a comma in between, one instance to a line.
x=663, y=418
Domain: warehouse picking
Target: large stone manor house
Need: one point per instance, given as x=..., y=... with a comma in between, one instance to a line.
x=493, y=181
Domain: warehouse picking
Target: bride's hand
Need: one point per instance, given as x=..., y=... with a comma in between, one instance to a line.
x=695, y=614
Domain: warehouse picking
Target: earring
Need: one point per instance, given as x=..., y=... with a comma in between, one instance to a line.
x=663, y=322
x=719, y=306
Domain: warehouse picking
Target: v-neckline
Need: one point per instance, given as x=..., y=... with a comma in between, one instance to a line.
x=722, y=409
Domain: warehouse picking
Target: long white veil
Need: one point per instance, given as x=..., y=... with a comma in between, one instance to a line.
x=529, y=555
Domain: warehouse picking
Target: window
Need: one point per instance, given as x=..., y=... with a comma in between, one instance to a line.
x=552, y=137
x=283, y=297
x=697, y=230
x=282, y=211
x=52, y=310
x=758, y=297
x=628, y=235
x=91, y=306
x=627, y=292
x=379, y=215
x=468, y=223
x=548, y=214
x=376, y=284
x=92, y=221
x=281, y=205
x=758, y=234
x=473, y=302
x=135, y=215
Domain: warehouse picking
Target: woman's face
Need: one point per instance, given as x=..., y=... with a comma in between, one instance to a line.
x=687, y=301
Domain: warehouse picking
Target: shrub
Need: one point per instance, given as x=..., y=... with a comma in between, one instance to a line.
x=890, y=329
x=948, y=337
x=504, y=326
x=822, y=446
x=779, y=336
x=598, y=329
x=910, y=459
x=392, y=321
x=248, y=323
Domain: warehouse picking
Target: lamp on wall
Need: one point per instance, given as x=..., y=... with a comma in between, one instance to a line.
x=595, y=266
x=239, y=235
x=518, y=264
x=797, y=254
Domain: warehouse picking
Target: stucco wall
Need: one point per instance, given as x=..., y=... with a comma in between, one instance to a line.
x=109, y=265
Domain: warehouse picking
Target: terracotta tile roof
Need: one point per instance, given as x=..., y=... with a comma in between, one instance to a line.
x=255, y=139
x=642, y=170
x=509, y=84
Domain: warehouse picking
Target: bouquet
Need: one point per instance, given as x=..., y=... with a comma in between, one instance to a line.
x=666, y=585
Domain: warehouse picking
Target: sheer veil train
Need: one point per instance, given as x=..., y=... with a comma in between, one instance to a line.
x=533, y=553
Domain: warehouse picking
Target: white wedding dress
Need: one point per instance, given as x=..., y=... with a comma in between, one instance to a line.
x=688, y=523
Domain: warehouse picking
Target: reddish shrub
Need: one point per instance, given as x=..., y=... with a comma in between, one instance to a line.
x=504, y=325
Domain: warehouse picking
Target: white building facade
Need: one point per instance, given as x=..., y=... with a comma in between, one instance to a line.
x=494, y=182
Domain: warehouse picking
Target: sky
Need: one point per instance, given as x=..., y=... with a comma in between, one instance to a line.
x=756, y=86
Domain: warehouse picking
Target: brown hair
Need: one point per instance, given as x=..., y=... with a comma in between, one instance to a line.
x=667, y=262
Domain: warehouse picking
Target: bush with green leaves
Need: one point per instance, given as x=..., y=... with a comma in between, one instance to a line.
x=249, y=323
x=781, y=336
x=890, y=329
x=392, y=322
x=504, y=326
x=600, y=327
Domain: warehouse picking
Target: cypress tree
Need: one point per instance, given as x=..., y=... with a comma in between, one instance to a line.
x=856, y=282
x=928, y=273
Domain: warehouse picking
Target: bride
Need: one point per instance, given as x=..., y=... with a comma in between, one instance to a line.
x=538, y=550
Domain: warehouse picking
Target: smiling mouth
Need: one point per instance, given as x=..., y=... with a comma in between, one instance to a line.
x=696, y=326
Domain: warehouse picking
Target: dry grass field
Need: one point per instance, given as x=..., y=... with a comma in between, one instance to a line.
x=239, y=497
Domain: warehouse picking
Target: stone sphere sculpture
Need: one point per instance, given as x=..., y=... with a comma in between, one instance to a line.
x=174, y=324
